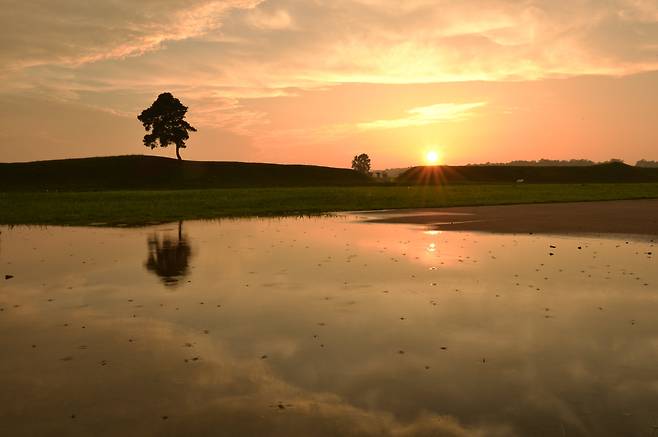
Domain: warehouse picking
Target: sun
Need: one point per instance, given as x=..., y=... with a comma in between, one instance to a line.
x=432, y=157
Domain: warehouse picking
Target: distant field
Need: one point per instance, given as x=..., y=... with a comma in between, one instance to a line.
x=142, y=207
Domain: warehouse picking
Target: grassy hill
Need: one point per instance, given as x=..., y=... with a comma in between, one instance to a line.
x=150, y=172
x=600, y=173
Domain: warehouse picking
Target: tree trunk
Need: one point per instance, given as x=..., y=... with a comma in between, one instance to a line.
x=178, y=153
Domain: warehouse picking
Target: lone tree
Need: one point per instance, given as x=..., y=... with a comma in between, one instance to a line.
x=361, y=163
x=165, y=118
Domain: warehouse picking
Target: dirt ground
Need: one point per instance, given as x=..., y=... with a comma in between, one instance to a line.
x=637, y=217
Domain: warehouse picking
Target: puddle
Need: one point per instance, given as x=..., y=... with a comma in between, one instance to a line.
x=325, y=326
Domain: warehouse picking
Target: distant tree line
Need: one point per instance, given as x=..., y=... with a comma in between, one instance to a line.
x=562, y=163
x=544, y=163
x=646, y=163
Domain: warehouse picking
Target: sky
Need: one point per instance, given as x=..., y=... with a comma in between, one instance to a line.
x=319, y=81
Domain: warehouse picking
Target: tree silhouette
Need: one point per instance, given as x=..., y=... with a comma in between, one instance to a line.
x=165, y=118
x=361, y=163
x=169, y=258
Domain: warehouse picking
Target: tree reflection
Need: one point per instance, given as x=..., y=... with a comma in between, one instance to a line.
x=169, y=257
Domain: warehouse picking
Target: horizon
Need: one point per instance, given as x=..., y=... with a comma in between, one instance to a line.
x=288, y=82
x=573, y=162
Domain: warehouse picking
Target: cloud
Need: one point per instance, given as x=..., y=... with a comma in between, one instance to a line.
x=441, y=112
x=427, y=42
x=282, y=43
x=242, y=48
x=77, y=32
x=276, y=20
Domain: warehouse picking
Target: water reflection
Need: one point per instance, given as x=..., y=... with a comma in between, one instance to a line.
x=169, y=257
x=326, y=327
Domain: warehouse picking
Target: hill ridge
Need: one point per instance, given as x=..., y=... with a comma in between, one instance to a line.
x=613, y=172
x=155, y=172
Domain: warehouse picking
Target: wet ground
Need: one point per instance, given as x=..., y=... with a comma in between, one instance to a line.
x=326, y=326
x=622, y=217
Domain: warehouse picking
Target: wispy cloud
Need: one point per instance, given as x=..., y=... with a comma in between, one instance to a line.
x=76, y=32
x=424, y=115
x=183, y=24
x=275, y=20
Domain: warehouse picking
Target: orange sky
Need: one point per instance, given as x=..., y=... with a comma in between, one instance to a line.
x=320, y=81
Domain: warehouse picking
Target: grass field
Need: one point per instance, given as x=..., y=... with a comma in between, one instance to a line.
x=142, y=207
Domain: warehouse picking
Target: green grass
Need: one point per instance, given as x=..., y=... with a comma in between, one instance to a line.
x=141, y=207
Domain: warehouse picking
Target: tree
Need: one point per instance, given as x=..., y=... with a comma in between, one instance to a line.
x=361, y=163
x=166, y=121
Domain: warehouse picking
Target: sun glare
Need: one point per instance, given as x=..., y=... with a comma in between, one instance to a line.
x=432, y=157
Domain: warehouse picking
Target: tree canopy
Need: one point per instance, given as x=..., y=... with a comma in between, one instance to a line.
x=361, y=163
x=165, y=119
